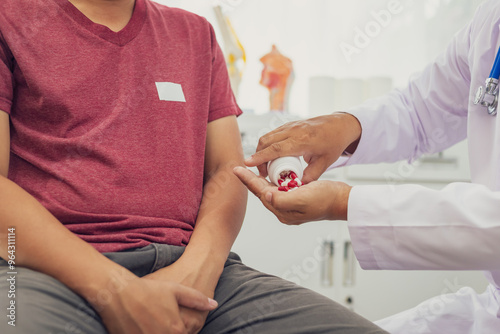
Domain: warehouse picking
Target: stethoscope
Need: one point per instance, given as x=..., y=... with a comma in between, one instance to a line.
x=488, y=97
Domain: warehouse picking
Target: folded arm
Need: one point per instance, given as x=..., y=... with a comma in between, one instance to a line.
x=43, y=244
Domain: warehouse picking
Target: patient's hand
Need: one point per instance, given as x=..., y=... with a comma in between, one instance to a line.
x=186, y=274
x=317, y=200
x=148, y=306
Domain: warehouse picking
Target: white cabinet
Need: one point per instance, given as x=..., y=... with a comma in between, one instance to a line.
x=376, y=294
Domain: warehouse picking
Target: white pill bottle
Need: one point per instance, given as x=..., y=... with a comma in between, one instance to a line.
x=283, y=165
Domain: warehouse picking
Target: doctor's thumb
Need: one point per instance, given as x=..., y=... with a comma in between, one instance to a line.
x=313, y=171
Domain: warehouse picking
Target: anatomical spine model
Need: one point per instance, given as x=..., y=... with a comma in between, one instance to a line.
x=233, y=49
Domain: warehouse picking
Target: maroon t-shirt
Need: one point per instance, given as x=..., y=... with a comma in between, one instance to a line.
x=108, y=129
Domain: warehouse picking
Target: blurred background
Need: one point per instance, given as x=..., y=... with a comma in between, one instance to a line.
x=343, y=52
x=311, y=33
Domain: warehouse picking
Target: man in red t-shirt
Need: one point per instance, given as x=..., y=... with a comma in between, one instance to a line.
x=120, y=199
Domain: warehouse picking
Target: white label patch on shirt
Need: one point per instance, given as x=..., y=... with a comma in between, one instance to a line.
x=169, y=91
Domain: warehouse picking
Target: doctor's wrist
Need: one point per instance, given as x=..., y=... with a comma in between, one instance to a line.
x=352, y=131
x=339, y=201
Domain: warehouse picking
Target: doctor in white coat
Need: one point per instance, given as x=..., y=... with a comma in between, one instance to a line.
x=409, y=227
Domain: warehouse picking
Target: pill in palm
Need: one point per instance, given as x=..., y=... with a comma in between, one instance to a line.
x=288, y=181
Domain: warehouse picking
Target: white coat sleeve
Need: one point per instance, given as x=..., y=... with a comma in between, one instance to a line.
x=409, y=226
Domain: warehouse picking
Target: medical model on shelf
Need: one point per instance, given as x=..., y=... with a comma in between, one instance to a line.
x=233, y=50
x=277, y=76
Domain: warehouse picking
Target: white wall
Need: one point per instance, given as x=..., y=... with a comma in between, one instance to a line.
x=310, y=32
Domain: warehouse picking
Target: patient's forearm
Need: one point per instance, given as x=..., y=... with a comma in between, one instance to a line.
x=221, y=215
x=219, y=221
x=221, y=212
x=43, y=244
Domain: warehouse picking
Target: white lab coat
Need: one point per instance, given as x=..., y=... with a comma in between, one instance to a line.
x=410, y=227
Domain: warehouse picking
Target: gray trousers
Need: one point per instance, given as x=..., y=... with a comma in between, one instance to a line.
x=249, y=301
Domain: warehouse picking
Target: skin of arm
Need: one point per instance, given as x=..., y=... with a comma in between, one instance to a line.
x=219, y=219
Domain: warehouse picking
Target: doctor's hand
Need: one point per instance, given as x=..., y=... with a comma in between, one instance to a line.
x=319, y=140
x=318, y=200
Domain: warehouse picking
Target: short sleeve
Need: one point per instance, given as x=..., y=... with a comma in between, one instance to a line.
x=6, y=76
x=222, y=100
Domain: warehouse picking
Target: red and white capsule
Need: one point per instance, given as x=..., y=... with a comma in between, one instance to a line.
x=288, y=181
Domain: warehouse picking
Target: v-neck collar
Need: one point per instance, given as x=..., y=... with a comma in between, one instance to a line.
x=122, y=37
